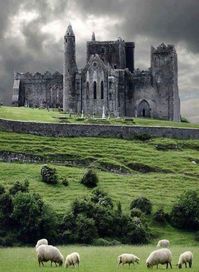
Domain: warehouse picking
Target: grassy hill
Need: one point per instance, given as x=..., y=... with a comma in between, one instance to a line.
x=160, y=169
x=54, y=116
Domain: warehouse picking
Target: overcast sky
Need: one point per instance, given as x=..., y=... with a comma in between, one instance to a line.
x=31, y=36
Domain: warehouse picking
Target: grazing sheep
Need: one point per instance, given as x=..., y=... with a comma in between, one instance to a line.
x=160, y=256
x=47, y=253
x=41, y=242
x=185, y=258
x=163, y=243
x=127, y=259
x=72, y=259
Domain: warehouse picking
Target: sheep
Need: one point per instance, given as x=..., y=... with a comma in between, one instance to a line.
x=72, y=259
x=47, y=253
x=127, y=259
x=163, y=243
x=41, y=242
x=185, y=258
x=160, y=256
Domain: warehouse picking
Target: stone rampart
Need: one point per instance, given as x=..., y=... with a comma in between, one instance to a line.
x=84, y=130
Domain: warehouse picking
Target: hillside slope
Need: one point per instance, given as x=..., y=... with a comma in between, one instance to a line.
x=160, y=169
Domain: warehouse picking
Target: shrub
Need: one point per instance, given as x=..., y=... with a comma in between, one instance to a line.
x=142, y=137
x=138, y=233
x=85, y=230
x=32, y=218
x=19, y=187
x=65, y=182
x=160, y=216
x=6, y=208
x=184, y=120
x=185, y=213
x=135, y=212
x=101, y=198
x=197, y=236
x=90, y=179
x=49, y=175
x=143, y=204
x=2, y=189
x=104, y=242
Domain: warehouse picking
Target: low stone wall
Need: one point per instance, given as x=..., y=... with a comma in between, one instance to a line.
x=82, y=130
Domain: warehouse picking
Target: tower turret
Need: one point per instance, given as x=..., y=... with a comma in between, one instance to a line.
x=69, y=73
x=164, y=68
x=93, y=36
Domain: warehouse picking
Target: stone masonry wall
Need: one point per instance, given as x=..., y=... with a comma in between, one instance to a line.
x=75, y=130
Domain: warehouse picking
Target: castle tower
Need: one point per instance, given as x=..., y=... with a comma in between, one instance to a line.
x=69, y=73
x=164, y=68
x=93, y=37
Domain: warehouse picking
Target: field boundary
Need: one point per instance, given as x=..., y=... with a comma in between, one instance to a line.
x=96, y=130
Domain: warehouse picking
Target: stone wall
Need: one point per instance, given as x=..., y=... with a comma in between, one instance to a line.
x=75, y=130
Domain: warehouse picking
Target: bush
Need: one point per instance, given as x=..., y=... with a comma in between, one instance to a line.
x=185, y=213
x=101, y=198
x=19, y=187
x=104, y=242
x=6, y=208
x=160, y=217
x=197, y=236
x=90, y=179
x=135, y=212
x=138, y=233
x=65, y=182
x=142, y=137
x=2, y=189
x=184, y=120
x=85, y=230
x=143, y=204
x=32, y=218
x=49, y=175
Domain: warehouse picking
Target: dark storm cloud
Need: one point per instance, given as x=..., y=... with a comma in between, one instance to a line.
x=172, y=21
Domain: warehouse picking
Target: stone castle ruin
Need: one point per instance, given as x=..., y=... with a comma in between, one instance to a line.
x=108, y=82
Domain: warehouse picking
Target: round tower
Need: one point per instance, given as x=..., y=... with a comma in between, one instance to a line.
x=69, y=73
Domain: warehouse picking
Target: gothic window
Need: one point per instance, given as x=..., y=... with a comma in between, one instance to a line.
x=87, y=90
x=95, y=90
x=102, y=89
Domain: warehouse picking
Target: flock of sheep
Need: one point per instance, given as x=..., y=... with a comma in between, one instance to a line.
x=163, y=256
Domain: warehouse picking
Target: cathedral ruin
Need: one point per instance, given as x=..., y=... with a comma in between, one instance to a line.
x=108, y=82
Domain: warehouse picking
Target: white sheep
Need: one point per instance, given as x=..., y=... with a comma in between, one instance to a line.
x=47, y=253
x=127, y=258
x=72, y=259
x=41, y=242
x=185, y=258
x=163, y=243
x=160, y=256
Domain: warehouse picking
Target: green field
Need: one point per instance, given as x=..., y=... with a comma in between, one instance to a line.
x=54, y=116
x=98, y=259
x=160, y=169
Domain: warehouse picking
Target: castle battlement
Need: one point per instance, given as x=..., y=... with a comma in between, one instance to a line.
x=107, y=83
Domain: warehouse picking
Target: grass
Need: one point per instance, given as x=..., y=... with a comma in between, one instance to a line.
x=98, y=259
x=170, y=163
x=54, y=116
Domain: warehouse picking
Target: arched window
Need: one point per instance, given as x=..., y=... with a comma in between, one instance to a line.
x=87, y=90
x=144, y=109
x=95, y=90
x=102, y=89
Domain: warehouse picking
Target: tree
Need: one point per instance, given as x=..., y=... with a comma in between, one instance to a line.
x=86, y=230
x=90, y=179
x=49, y=175
x=185, y=213
x=142, y=203
x=19, y=187
x=32, y=218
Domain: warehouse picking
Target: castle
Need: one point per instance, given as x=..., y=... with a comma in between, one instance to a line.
x=108, y=83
